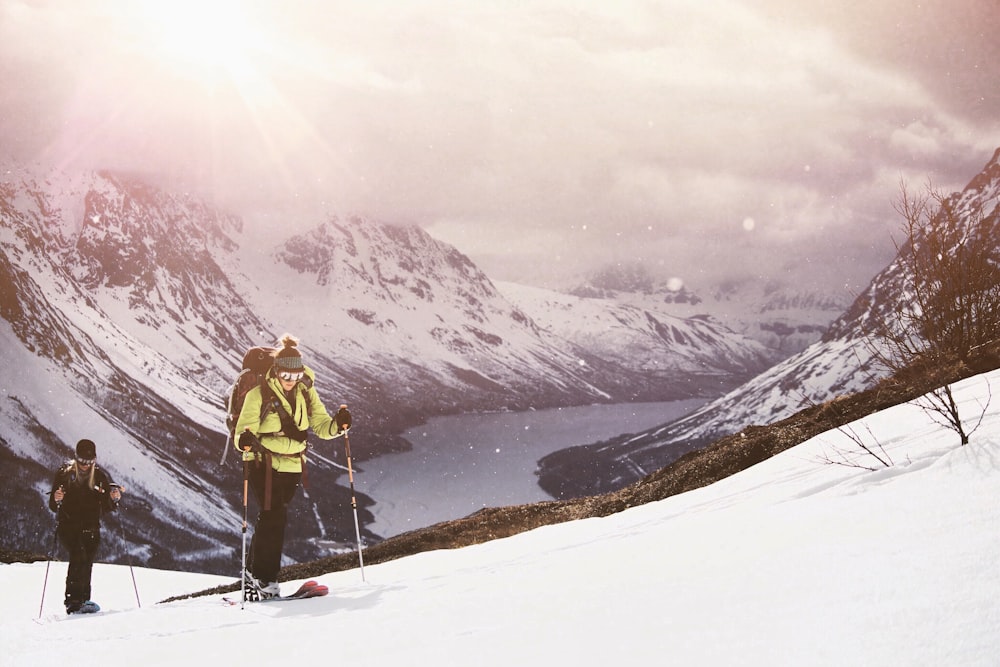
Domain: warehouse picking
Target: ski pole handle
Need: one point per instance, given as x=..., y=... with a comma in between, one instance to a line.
x=249, y=442
x=343, y=418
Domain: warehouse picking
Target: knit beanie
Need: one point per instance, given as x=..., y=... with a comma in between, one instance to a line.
x=288, y=358
x=86, y=450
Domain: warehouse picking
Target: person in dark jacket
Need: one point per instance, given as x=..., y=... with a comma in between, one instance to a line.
x=81, y=493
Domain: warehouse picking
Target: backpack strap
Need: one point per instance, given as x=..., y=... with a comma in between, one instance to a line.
x=270, y=402
x=269, y=475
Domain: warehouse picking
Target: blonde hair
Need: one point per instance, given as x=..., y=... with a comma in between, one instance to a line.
x=76, y=473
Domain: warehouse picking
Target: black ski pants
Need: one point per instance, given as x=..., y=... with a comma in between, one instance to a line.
x=81, y=543
x=268, y=540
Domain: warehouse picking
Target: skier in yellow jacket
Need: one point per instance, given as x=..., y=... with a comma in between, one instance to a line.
x=271, y=431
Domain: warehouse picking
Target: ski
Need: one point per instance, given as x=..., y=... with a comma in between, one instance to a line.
x=310, y=589
x=89, y=608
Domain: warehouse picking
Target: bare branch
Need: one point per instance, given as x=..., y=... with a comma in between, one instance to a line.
x=949, y=306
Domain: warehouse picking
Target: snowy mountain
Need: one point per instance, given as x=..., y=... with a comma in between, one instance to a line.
x=838, y=364
x=682, y=356
x=784, y=318
x=790, y=562
x=126, y=309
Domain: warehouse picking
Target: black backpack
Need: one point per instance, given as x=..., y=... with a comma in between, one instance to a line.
x=256, y=362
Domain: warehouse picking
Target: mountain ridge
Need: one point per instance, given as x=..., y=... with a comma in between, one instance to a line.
x=128, y=308
x=840, y=363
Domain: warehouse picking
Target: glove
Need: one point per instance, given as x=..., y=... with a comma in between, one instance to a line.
x=249, y=442
x=343, y=418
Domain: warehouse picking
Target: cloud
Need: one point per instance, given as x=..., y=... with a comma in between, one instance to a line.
x=542, y=139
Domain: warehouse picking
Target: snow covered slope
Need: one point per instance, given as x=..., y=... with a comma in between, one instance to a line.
x=791, y=562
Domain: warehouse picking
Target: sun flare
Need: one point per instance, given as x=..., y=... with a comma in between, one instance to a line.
x=203, y=40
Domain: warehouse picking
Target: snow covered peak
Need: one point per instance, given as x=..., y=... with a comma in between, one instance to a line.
x=133, y=305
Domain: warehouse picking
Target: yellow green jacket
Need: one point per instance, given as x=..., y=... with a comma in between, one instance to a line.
x=288, y=454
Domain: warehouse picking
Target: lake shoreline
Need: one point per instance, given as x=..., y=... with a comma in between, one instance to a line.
x=460, y=464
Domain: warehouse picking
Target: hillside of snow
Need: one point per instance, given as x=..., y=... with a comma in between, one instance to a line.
x=791, y=562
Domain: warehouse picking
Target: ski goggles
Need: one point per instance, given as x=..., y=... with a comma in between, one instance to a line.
x=288, y=376
x=85, y=462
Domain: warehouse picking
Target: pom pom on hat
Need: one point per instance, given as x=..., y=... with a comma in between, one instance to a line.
x=86, y=449
x=288, y=358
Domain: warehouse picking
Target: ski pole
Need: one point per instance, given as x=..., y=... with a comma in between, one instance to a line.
x=225, y=450
x=243, y=570
x=128, y=554
x=354, y=501
x=48, y=562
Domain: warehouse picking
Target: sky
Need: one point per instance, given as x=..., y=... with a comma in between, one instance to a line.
x=706, y=141
x=795, y=561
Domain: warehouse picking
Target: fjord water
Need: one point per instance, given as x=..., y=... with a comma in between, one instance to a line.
x=463, y=463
